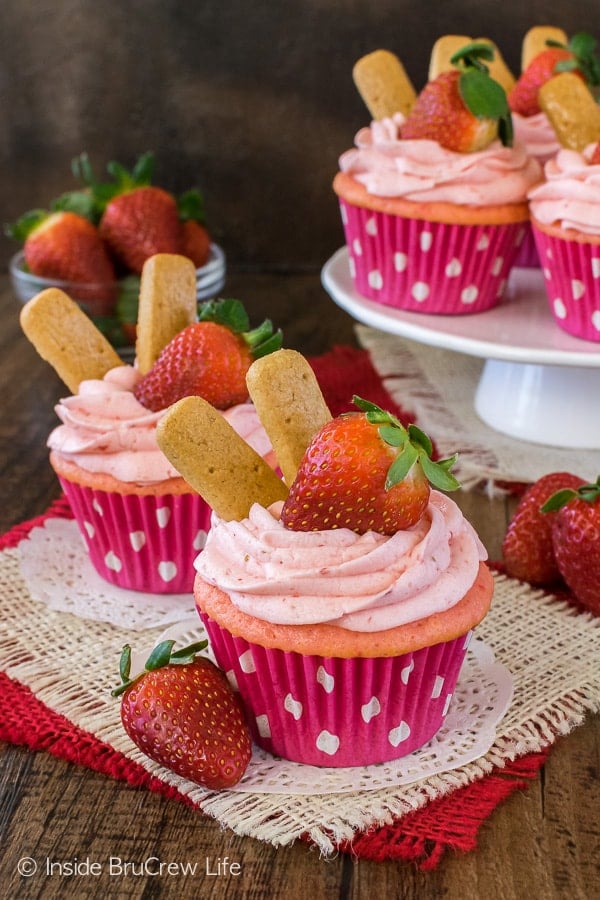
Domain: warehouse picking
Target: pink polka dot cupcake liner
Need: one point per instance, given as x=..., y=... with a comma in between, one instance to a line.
x=141, y=542
x=571, y=270
x=325, y=711
x=428, y=267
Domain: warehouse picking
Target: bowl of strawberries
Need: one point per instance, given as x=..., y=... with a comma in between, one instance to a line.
x=93, y=242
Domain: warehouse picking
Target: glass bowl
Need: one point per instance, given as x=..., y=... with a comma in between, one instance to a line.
x=113, y=307
x=99, y=299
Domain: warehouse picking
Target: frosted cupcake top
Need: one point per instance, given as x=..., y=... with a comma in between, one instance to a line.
x=424, y=171
x=570, y=195
x=106, y=430
x=363, y=583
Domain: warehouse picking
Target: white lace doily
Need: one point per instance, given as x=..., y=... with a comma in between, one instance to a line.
x=57, y=571
x=56, y=568
x=481, y=697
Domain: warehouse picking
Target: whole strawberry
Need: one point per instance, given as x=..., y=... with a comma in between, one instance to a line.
x=576, y=541
x=527, y=547
x=577, y=56
x=182, y=713
x=136, y=219
x=64, y=246
x=209, y=359
x=365, y=471
x=463, y=109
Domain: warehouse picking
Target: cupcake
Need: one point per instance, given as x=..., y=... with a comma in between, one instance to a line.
x=565, y=217
x=433, y=203
x=344, y=628
x=544, y=49
x=142, y=523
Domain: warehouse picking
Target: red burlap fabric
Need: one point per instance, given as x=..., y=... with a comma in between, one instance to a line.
x=422, y=836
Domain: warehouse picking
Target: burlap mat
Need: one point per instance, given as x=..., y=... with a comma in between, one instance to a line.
x=550, y=650
x=439, y=387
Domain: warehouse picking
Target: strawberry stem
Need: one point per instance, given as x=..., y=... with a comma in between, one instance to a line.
x=587, y=492
x=231, y=313
x=162, y=655
x=481, y=94
x=416, y=446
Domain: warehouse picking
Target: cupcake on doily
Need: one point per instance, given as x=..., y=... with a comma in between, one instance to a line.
x=142, y=523
x=433, y=201
x=565, y=209
x=343, y=622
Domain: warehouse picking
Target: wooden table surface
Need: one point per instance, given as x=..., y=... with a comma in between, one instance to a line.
x=541, y=843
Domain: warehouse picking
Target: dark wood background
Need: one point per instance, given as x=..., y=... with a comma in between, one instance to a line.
x=251, y=101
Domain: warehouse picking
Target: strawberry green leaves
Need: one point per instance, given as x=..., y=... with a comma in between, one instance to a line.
x=481, y=94
x=162, y=655
x=415, y=446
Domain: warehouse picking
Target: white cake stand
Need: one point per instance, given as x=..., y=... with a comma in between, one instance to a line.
x=538, y=383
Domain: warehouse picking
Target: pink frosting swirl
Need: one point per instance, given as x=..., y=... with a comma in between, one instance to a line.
x=537, y=134
x=105, y=429
x=364, y=583
x=570, y=195
x=424, y=171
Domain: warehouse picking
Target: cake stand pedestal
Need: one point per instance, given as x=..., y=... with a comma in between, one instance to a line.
x=538, y=383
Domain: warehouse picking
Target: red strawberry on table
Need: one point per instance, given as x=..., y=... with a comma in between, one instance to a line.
x=577, y=56
x=365, y=471
x=182, y=713
x=209, y=358
x=576, y=540
x=527, y=546
x=463, y=109
x=63, y=245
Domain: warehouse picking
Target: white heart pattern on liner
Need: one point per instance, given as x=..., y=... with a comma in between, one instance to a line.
x=577, y=288
x=246, y=661
x=399, y=734
x=137, y=539
x=371, y=709
x=326, y=680
x=328, y=743
x=163, y=514
x=167, y=570
x=293, y=706
x=112, y=561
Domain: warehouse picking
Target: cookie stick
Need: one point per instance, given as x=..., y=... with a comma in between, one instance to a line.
x=442, y=52
x=215, y=460
x=167, y=304
x=66, y=338
x=289, y=403
x=446, y=46
x=571, y=109
x=497, y=67
x=535, y=41
x=383, y=84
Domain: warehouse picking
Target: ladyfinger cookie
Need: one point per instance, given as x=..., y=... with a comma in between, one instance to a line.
x=66, y=338
x=211, y=456
x=446, y=46
x=167, y=304
x=571, y=109
x=289, y=403
x=535, y=41
x=442, y=52
x=383, y=84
